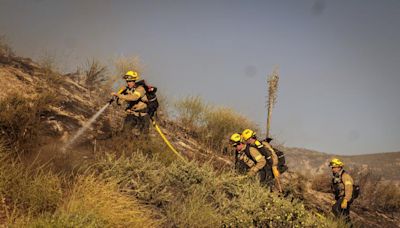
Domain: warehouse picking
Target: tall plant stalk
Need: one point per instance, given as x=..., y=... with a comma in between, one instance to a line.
x=272, y=86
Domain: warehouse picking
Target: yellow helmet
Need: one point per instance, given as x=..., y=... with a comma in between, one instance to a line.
x=235, y=139
x=247, y=133
x=131, y=76
x=336, y=163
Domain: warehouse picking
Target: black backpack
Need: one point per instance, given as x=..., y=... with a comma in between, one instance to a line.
x=152, y=103
x=356, y=191
x=282, y=167
x=267, y=154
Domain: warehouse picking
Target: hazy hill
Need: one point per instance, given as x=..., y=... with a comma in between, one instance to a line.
x=386, y=165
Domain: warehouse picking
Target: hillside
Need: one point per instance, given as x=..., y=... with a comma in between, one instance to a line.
x=142, y=172
x=386, y=165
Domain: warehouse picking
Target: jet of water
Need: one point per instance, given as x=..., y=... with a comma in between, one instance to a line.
x=84, y=127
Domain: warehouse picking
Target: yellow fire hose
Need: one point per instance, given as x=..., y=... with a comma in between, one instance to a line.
x=167, y=142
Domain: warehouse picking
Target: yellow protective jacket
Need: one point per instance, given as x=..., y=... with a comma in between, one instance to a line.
x=256, y=161
x=137, y=99
x=342, y=185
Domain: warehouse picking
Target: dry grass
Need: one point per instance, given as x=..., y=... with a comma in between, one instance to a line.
x=377, y=194
x=125, y=144
x=94, y=203
x=26, y=190
x=50, y=68
x=295, y=184
x=5, y=49
x=191, y=111
x=20, y=118
x=34, y=197
x=95, y=75
x=322, y=183
x=124, y=64
x=212, y=125
x=219, y=124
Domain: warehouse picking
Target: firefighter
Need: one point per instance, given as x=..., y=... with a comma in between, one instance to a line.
x=271, y=168
x=254, y=160
x=134, y=95
x=342, y=188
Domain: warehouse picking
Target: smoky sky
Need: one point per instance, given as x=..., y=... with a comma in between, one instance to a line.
x=339, y=60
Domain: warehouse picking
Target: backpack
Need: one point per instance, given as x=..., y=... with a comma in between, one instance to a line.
x=282, y=167
x=267, y=154
x=356, y=191
x=152, y=103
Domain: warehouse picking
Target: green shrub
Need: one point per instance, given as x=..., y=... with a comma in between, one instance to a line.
x=126, y=144
x=193, y=195
x=136, y=176
x=194, y=210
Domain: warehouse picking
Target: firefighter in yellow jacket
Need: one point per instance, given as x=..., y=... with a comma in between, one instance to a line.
x=135, y=97
x=271, y=168
x=249, y=155
x=342, y=187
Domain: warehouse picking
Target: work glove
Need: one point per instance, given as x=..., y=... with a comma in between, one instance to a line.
x=343, y=205
x=275, y=171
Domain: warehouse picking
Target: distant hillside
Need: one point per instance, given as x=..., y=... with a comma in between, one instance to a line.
x=386, y=165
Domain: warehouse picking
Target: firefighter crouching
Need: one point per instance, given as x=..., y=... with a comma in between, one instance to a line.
x=271, y=168
x=249, y=155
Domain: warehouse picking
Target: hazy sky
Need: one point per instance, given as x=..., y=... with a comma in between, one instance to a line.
x=339, y=60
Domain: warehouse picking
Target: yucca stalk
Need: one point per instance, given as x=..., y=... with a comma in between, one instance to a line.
x=272, y=85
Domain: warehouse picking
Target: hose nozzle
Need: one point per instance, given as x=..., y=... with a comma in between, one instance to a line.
x=112, y=99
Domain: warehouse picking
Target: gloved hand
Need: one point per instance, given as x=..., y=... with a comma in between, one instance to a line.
x=114, y=94
x=275, y=171
x=252, y=172
x=343, y=205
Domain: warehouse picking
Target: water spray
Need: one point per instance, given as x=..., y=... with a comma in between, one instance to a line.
x=86, y=126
